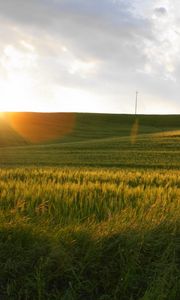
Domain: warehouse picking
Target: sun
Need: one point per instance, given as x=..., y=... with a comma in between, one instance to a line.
x=16, y=80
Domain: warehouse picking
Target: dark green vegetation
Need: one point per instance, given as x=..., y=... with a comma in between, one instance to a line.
x=98, y=141
x=81, y=234
x=92, y=211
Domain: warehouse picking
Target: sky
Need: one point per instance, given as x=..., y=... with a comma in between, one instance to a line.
x=90, y=56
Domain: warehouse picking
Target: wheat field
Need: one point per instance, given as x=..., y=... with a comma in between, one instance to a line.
x=76, y=233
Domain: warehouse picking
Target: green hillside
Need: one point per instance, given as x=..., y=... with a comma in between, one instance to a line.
x=98, y=126
x=99, y=140
x=34, y=128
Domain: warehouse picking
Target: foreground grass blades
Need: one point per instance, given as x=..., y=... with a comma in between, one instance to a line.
x=89, y=234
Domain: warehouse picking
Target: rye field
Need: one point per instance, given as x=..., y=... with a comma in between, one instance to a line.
x=93, y=213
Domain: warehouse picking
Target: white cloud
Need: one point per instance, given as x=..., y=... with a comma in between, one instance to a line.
x=99, y=51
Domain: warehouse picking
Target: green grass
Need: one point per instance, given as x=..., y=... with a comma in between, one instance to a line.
x=89, y=234
x=147, y=152
x=73, y=127
x=93, y=214
x=99, y=141
x=100, y=126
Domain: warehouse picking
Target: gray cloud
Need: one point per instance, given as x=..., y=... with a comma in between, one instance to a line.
x=162, y=11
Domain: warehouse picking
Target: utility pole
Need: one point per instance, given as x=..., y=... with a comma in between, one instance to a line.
x=136, y=103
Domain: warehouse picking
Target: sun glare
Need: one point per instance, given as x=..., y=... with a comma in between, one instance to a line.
x=16, y=81
x=14, y=93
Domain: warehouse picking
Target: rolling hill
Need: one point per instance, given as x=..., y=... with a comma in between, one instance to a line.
x=30, y=128
x=75, y=139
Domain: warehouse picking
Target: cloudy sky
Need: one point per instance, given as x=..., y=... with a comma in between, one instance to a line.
x=90, y=55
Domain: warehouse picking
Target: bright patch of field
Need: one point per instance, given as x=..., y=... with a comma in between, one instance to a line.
x=90, y=234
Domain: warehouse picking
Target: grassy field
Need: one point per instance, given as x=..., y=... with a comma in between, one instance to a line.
x=91, y=140
x=89, y=234
x=90, y=211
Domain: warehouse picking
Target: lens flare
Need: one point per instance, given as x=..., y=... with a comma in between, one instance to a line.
x=134, y=131
x=41, y=127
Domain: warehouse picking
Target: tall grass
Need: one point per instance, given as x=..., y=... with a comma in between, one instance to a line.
x=89, y=234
